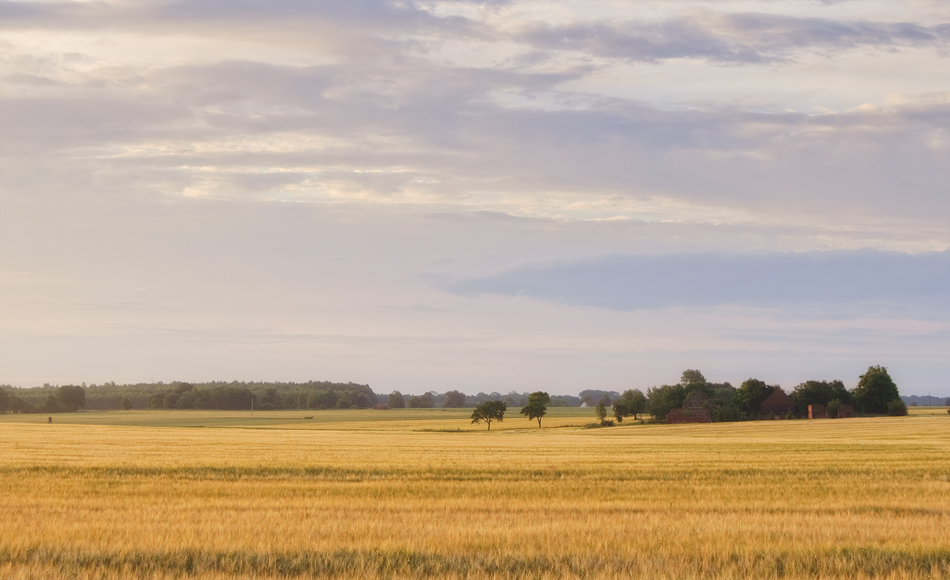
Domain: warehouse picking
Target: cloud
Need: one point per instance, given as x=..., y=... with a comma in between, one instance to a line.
x=631, y=282
x=745, y=38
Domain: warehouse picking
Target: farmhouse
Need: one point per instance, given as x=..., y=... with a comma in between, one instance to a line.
x=845, y=411
x=817, y=412
x=778, y=404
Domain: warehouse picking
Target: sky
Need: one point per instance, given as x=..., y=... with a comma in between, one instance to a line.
x=483, y=196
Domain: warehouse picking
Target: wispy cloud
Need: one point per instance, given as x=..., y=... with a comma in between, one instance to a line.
x=744, y=38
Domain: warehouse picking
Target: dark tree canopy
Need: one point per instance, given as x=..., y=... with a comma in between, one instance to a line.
x=692, y=377
x=593, y=396
x=396, y=400
x=71, y=397
x=423, y=401
x=635, y=402
x=875, y=391
x=819, y=393
x=662, y=400
x=751, y=394
x=537, y=406
x=454, y=400
x=489, y=411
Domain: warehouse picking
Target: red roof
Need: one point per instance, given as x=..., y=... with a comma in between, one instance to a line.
x=777, y=403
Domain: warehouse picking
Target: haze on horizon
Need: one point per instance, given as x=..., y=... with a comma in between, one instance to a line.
x=482, y=196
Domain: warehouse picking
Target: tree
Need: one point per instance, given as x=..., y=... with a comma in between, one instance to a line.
x=832, y=408
x=126, y=403
x=591, y=395
x=454, y=400
x=423, y=401
x=819, y=393
x=750, y=396
x=537, y=406
x=396, y=400
x=896, y=408
x=601, y=411
x=632, y=402
x=489, y=411
x=875, y=391
x=662, y=400
x=692, y=378
x=620, y=410
x=71, y=397
x=155, y=401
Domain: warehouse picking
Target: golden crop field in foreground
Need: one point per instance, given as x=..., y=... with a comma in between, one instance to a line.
x=358, y=498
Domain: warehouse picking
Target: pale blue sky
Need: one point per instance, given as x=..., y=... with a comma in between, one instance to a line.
x=475, y=195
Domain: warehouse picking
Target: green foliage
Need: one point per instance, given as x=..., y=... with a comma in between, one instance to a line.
x=635, y=402
x=537, y=406
x=126, y=403
x=875, y=391
x=750, y=395
x=832, y=408
x=423, y=401
x=51, y=405
x=692, y=378
x=820, y=393
x=896, y=408
x=662, y=400
x=592, y=396
x=71, y=397
x=601, y=411
x=453, y=400
x=489, y=411
x=396, y=400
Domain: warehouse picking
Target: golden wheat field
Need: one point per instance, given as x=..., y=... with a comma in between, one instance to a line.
x=347, y=495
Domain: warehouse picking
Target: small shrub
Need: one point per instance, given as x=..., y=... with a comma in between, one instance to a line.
x=896, y=408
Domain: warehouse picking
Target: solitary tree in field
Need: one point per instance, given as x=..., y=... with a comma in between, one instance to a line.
x=489, y=411
x=537, y=406
x=601, y=411
x=875, y=391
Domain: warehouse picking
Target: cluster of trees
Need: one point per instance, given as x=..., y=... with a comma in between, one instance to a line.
x=875, y=393
x=67, y=398
x=457, y=400
x=451, y=399
x=535, y=409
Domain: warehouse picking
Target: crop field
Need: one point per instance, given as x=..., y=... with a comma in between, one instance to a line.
x=424, y=494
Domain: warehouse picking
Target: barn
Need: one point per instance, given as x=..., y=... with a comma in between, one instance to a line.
x=778, y=403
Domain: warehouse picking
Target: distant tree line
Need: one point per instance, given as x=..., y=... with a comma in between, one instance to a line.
x=180, y=395
x=875, y=393
x=45, y=399
x=456, y=399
